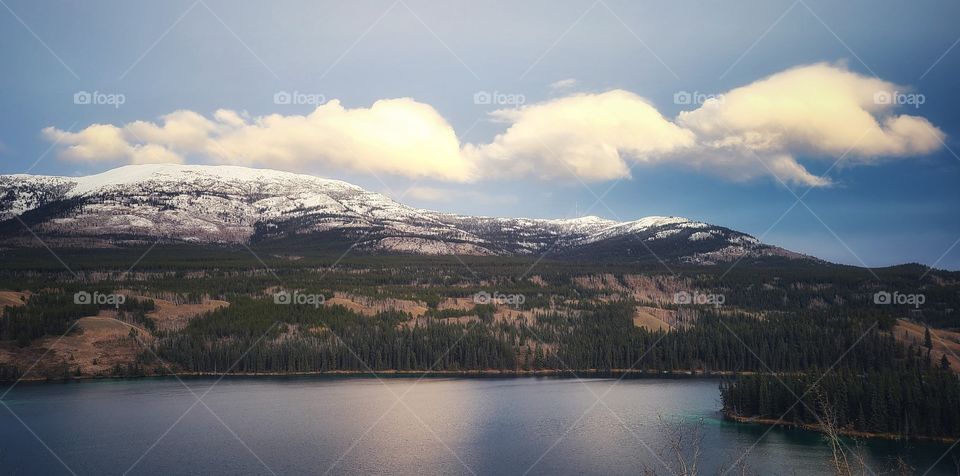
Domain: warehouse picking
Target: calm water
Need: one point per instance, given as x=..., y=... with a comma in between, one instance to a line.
x=351, y=426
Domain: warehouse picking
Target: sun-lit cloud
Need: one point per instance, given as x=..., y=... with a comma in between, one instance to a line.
x=765, y=128
x=182, y=130
x=589, y=136
x=815, y=111
x=107, y=143
x=394, y=136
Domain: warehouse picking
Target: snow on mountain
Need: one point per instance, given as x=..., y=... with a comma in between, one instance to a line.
x=21, y=193
x=228, y=204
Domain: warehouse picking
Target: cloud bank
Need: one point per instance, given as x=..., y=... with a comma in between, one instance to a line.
x=814, y=112
x=818, y=111
x=586, y=135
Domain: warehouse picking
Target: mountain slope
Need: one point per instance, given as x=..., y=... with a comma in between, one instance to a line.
x=226, y=204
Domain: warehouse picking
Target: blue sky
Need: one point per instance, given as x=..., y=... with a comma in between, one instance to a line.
x=162, y=57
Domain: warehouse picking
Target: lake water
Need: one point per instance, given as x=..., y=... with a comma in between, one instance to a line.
x=356, y=425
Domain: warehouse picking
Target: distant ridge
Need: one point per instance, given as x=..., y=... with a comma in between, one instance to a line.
x=228, y=204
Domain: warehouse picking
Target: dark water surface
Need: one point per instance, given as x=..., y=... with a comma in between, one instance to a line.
x=356, y=425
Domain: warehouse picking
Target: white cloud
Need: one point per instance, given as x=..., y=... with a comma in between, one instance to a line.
x=98, y=142
x=562, y=84
x=393, y=136
x=153, y=154
x=764, y=128
x=182, y=130
x=815, y=111
x=590, y=136
x=107, y=143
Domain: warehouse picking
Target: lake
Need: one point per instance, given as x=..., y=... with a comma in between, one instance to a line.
x=356, y=425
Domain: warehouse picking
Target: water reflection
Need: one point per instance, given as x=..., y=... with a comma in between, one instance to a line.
x=355, y=425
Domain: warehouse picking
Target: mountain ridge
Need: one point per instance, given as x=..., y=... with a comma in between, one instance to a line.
x=217, y=204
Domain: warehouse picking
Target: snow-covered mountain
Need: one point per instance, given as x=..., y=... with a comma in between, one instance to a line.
x=225, y=204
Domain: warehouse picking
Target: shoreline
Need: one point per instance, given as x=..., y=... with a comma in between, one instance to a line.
x=588, y=373
x=844, y=432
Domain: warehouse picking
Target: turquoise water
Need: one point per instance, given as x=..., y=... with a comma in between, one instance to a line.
x=357, y=425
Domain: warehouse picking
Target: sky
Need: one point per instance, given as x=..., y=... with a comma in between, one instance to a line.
x=828, y=128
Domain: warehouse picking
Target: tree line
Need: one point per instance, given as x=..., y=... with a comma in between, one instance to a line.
x=920, y=401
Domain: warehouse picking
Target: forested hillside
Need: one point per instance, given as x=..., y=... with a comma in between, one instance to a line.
x=284, y=314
